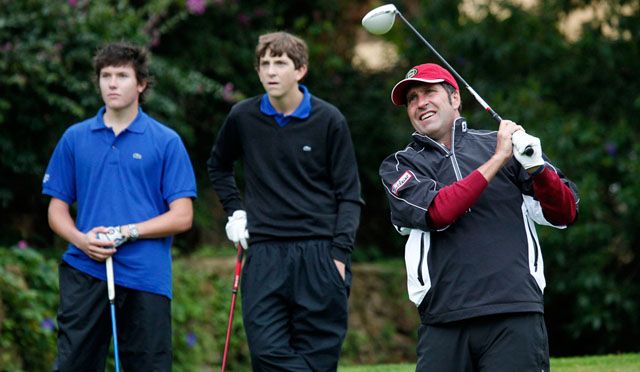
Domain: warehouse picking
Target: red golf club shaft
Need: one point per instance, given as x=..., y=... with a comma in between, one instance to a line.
x=236, y=281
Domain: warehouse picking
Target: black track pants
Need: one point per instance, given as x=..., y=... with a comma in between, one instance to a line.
x=84, y=326
x=496, y=343
x=294, y=305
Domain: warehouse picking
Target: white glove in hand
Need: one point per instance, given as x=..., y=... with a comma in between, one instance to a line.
x=520, y=141
x=237, y=228
x=114, y=235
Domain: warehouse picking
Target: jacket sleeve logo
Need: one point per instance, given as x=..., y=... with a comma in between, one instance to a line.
x=406, y=176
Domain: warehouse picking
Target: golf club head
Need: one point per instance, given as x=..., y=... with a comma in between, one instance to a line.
x=380, y=20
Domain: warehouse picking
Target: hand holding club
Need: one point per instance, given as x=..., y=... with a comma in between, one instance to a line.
x=236, y=228
x=523, y=141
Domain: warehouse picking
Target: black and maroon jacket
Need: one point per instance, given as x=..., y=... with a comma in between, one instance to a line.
x=488, y=261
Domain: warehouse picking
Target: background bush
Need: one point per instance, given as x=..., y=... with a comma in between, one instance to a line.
x=582, y=98
x=382, y=323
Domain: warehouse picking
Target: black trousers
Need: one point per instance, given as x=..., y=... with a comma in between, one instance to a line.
x=495, y=343
x=294, y=305
x=143, y=323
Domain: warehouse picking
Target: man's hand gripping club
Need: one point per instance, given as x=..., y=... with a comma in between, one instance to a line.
x=521, y=141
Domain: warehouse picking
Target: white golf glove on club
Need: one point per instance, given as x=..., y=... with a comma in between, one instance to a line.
x=114, y=235
x=520, y=141
x=237, y=228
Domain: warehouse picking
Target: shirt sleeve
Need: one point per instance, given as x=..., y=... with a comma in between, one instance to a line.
x=225, y=151
x=179, y=180
x=556, y=199
x=344, y=173
x=410, y=191
x=452, y=201
x=59, y=178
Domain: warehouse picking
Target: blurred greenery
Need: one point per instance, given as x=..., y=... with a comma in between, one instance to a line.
x=580, y=96
x=608, y=363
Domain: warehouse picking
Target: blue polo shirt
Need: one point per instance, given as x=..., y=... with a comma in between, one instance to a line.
x=120, y=180
x=302, y=111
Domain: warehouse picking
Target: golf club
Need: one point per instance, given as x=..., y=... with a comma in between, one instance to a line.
x=380, y=20
x=236, y=281
x=111, y=290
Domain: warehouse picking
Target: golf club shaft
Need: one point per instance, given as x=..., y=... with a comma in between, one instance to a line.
x=115, y=336
x=236, y=281
x=444, y=61
x=111, y=292
x=528, y=150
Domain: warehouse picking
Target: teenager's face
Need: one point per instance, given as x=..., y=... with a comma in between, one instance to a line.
x=119, y=87
x=431, y=111
x=278, y=74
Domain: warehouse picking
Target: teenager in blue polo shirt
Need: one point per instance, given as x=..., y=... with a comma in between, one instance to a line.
x=124, y=170
x=301, y=210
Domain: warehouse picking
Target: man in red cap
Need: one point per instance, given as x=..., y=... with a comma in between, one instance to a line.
x=468, y=200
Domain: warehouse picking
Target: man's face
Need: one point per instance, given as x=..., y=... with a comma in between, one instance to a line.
x=431, y=111
x=119, y=87
x=278, y=74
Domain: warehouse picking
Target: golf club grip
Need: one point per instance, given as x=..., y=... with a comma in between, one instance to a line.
x=527, y=150
x=111, y=290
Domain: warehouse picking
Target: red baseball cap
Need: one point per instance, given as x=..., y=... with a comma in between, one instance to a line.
x=425, y=73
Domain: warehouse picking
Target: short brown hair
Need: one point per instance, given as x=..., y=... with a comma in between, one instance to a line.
x=283, y=42
x=124, y=54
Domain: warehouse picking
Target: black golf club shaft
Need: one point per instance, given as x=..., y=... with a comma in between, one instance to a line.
x=528, y=150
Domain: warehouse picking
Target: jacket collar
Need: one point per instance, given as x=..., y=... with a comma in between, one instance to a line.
x=459, y=128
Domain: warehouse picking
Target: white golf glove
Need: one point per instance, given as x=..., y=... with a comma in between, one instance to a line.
x=520, y=141
x=113, y=235
x=237, y=228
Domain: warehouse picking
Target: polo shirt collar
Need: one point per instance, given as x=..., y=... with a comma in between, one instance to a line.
x=301, y=112
x=138, y=124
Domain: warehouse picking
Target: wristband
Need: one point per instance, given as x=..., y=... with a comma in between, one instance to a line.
x=133, y=232
x=539, y=170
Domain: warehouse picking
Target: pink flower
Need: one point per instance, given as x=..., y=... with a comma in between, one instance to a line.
x=7, y=47
x=22, y=244
x=156, y=37
x=228, y=94
x=196, y=7
x=243, y=19
x=73, y=3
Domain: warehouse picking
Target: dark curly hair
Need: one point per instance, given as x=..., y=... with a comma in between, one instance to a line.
x=123, y=54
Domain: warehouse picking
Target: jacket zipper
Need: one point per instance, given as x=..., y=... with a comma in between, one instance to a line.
x=535, y=246
x=420, y=278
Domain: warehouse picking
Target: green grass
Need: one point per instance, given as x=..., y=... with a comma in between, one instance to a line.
x=605, y=363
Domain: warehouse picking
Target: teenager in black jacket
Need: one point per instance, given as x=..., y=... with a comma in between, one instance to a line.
x=300, y=213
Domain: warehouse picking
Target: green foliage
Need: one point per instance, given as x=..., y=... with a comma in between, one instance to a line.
x=28, y=303
x=581, y=98
x=46, y=84
x=607, y=363
x=200, y=311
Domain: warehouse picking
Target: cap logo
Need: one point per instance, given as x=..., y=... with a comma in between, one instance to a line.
x=413, y=72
